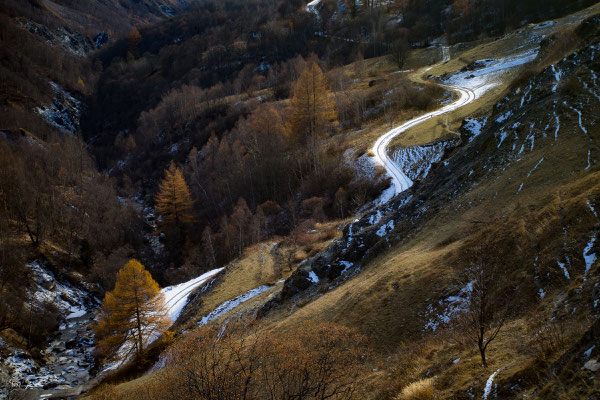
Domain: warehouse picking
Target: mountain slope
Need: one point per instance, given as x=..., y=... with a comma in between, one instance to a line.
x=396, y=274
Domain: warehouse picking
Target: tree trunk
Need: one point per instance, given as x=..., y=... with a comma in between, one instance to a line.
x=483, y=360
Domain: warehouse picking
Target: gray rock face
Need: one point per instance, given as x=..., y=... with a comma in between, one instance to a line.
x=65, y=111
x=63, y=37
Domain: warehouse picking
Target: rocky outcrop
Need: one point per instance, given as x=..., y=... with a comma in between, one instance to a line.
x=63, y=38
x=65, y=111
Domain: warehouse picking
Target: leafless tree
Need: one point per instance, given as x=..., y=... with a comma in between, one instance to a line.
x=487, y=306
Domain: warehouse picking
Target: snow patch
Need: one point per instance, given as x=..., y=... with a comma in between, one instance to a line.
x=474, y=127
x=563, y=267
x=557, y=126
x=176, y=296
x=489, y=383
x=535, y=167
x=229, y=305
x=592, y=209
x=588, y=255
x=588, y=352
x=589, y=162
x=504, y=117
x=416, y=161
x=557, y=77
x=483, y=79
x=503, y=136
x=385, y=228
x=452, y=305
x=65, y=111
x=312, y=6
x=347, y=265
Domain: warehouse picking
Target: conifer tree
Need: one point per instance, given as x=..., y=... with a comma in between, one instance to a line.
x=312, y=112
x=312, y=108
x=133, y=42
x=173, y=201
x=131, y=314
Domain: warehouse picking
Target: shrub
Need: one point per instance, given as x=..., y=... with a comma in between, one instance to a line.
x=419, y=390
x=313, y=361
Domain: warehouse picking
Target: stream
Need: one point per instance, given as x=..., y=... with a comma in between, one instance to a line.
x=68, y=361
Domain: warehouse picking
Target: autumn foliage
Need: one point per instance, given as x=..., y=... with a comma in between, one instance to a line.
x=174, y=205
x=131, y=314
x=312, y=109
x=315, y=361
x=173, y=201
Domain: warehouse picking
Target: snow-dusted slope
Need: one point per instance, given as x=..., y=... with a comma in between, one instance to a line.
x=176, y=296
x=469, y=85
x=229, y=305
x=400, y=181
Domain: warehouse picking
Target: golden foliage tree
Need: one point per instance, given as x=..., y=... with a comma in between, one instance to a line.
x=133, y=42
x=312, y=108
x=132, y=314
x=173, y=201
x=311, y=113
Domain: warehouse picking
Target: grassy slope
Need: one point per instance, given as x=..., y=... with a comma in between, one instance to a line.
x=388, y=300
x=517, y=42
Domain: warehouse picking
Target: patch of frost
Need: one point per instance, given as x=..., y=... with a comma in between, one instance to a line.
x=562, y=266
x=385, y=228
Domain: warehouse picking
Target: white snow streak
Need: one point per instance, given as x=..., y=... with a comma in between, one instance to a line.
x=557, y=76
x=592, y=209
x=229, y=305
x=520, y=188
x=589, y=256
x=557, y=126
x=489, y=383
x=535, y=167
x=564, y=269
x=176, y=296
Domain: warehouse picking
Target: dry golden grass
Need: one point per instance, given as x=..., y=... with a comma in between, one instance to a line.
x=259, y=266
x=256, y=268
x=420, y=390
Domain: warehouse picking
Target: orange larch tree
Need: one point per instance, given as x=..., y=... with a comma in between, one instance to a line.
x=132, y=314
x=311, y=113
x=173, y=202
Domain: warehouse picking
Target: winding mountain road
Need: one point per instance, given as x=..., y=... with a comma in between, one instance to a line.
x=400, y=181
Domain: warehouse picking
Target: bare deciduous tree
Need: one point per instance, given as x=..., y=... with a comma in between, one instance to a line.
x=488, y=302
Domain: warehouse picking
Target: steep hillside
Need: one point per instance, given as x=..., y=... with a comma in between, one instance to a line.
x=232, y=147
x=519, y=194
x=523, y=189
